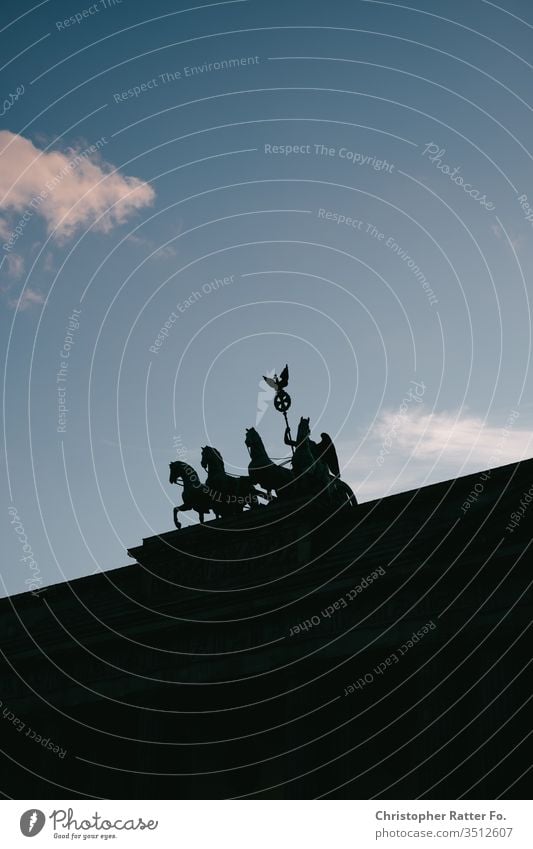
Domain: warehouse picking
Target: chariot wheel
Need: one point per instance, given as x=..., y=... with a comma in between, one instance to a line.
x=282, y=401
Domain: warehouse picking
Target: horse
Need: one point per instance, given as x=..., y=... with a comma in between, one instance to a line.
x=231, y=493
x=195, y=494
x=263, y=471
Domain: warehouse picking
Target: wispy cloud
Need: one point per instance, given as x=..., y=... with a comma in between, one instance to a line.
x=29, y=298
x=5, y=229
x=13, y=266
x=460, y=438
x=425, y=447
x=166, y=252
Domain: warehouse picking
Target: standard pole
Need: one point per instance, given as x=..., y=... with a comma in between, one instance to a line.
x=288, y=429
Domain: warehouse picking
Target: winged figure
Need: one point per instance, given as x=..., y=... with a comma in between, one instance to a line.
x=276, y=382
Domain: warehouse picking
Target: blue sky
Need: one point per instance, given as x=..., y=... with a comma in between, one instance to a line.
x=342, y=186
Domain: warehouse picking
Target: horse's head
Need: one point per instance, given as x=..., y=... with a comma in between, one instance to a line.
x=176, y=471
x=303, y=429
x=251, y=436
x=211, y=455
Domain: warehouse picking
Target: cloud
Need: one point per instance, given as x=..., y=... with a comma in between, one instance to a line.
x=13, y=266
x=458, y=438
x=49, y=262
x=5, y=230
x=166, y=252
x=69, y=190
x=515, y=241
x=29, y=298
x=421, y=447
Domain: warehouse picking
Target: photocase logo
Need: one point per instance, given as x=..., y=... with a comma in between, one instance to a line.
x=32, y=822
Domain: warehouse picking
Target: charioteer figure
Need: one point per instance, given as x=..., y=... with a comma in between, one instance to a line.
x=323, y=450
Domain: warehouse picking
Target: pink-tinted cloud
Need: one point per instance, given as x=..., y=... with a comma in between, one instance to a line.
x=68, y=190
x=29, y=298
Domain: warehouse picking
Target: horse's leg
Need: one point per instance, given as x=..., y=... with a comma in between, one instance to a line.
x=253, y=495
x=175, y=516
x=248, y=494
x=201, y=517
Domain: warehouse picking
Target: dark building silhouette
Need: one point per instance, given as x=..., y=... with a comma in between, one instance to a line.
x=256, y=657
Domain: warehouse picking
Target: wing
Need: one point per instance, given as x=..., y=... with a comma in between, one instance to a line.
x=270, y=382
x=330, y=454
x=284, y=377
